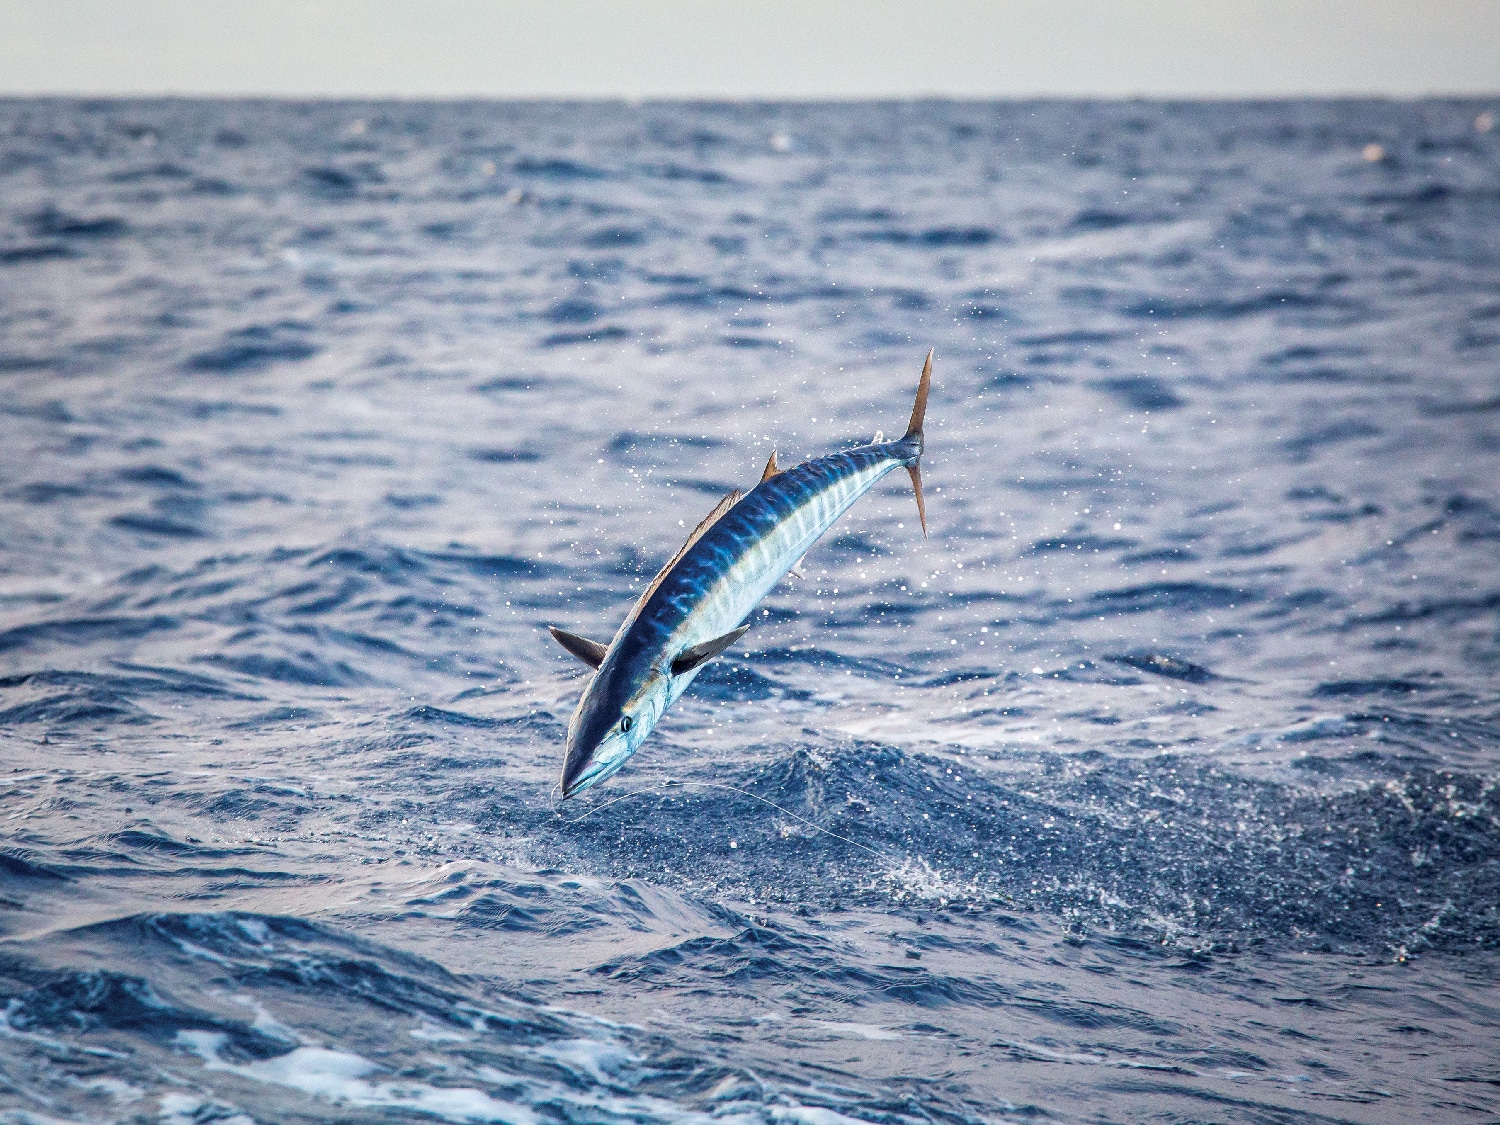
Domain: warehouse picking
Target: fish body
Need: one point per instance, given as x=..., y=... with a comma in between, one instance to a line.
x=695, y=606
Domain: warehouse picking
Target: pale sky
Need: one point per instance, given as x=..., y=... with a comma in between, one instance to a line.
x=750, y=48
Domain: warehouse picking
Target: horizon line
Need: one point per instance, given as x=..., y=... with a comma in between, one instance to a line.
x=744, y=99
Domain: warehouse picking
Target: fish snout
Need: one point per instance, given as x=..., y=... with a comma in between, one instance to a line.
x=588, y=767
x=595, y=751
x=575, y=765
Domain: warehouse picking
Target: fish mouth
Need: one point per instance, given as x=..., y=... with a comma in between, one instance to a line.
x=573, y=785
x=583, y=781
x=602, y=762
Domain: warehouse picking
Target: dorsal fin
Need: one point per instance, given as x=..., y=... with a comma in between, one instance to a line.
x=707, y=522
x=772, y=468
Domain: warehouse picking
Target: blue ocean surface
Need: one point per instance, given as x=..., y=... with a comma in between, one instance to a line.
x=1160, y=783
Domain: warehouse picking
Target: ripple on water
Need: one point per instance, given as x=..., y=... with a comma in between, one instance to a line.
x=1175, y=735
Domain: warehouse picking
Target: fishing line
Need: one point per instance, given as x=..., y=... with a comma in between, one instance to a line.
x=614, y=801
x=731, y=789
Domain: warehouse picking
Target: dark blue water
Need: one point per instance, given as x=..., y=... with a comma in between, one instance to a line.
x=1161, y=783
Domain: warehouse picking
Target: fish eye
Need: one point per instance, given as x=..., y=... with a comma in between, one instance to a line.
x=626, y=723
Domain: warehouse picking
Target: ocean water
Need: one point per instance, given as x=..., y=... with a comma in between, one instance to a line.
x=1160, y=783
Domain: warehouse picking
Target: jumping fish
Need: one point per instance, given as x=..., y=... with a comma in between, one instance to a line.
x=693, y=609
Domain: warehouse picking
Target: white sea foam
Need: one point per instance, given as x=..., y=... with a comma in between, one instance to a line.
x=191, y=1109
x=812, y=1115
x=343, y=1078
x=858, y=1030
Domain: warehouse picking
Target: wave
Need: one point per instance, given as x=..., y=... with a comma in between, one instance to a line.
x=317, y=414
x=257, y=346
x=1152, y=834
x=244, y=1003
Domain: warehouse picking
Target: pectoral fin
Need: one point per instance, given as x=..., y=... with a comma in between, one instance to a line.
x=590, y=652
x=690, y=658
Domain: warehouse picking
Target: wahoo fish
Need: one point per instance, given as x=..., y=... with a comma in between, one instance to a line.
x=694, y=608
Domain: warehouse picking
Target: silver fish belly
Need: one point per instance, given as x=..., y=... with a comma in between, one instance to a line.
x=694, y=607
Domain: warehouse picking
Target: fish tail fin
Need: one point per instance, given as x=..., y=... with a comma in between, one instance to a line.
x=919, y=408
x=914, y=439
x=916, y=484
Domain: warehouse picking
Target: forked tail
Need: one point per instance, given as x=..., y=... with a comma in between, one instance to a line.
x=913, y=439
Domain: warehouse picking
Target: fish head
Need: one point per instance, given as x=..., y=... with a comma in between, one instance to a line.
x=618, y=710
